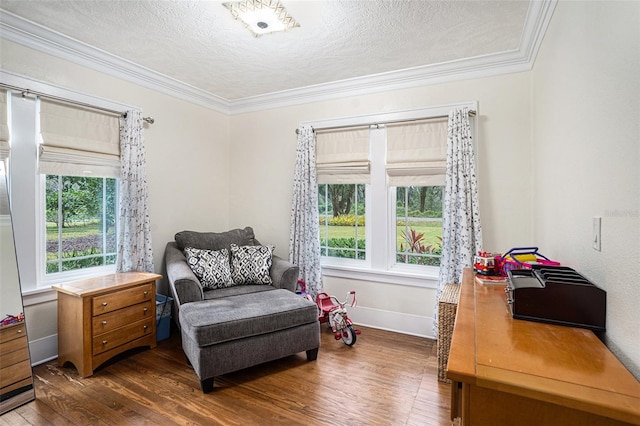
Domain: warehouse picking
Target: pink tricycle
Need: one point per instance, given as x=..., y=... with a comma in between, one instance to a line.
x=333, y=311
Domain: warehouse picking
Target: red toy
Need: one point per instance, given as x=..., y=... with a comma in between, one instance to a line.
x=11, y=319
x=486, y=263
x=333, y=311
x=301, y=288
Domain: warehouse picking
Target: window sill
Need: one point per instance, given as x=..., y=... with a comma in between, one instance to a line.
x=429, y=279
x=38, y=296
x=44, y=293
x=78, y=274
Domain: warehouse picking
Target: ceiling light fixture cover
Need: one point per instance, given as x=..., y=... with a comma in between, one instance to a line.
x=262, y=16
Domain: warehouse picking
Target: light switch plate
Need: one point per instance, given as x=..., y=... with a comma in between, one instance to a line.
x=596, y=235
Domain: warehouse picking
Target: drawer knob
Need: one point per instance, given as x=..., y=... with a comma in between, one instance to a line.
x=145, y=310
x=104, y=303
x=146, y=326
x=104, y=342
x=19, y=331
x=146, y=293
x=104, y=323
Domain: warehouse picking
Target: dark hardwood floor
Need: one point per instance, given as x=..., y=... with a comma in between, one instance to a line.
x=384, y=379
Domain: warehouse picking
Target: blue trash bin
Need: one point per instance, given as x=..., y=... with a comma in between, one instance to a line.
x=163, y=316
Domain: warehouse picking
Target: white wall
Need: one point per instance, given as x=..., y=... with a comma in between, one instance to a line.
x=586, y=139
x=263, y=158
x=187, y=158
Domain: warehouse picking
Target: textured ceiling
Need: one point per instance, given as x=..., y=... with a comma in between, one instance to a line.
x=198, y=42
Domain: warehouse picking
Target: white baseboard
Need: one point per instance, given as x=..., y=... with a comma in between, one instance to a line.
x=44, y=349
x=414, y=325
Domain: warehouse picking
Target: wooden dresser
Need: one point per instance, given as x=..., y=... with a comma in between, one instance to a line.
x=15, y=368
x=516, y=372
x=104, y=316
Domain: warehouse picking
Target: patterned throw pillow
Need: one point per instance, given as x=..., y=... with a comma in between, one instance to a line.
x=251, y=264
x=211, y=267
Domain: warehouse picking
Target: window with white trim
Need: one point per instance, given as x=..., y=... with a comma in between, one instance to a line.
x=342, y=163
x=418, y=217
x=79, y=155
x=390, y=222
x=341, y=209
x=80, y=225
x=64, y=163
x=416, y=159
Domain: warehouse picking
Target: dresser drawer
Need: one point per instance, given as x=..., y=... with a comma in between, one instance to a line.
x=12, y=332
x=15, y=373
x=14, y=351
x=120, y=299
x=126, y=334
x=116, y=319
x=7, y=359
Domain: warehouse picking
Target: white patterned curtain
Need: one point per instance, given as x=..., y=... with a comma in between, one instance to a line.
x=461, y=230
x=304, y=243
x=134, y=238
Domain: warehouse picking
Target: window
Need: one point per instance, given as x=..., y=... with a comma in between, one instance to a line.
x=79, y=153
x=341, y=209
x=64, y=163
x=342, y=160
x=419, y=225
x=388, y=224
x=80, y=225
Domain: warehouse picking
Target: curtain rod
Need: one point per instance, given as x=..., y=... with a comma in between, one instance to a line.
x=27, y=92
x=472, y=113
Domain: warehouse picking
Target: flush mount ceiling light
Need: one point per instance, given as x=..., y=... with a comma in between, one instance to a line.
x=262, y=16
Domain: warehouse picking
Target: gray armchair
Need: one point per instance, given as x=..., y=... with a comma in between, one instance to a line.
x=185, y=286
x=230, y=328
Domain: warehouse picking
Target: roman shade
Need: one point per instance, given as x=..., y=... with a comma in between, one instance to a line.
x=77, y=141
x=342, y=156
x=417, y=153
x=4, y=126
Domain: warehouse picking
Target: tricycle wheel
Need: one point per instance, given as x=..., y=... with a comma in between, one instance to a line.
x=348, y=335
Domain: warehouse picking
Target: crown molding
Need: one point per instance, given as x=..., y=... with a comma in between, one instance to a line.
x=27, y=33
x=38, y=37
x=481, y=66
x=536, y=22
x=535, y=26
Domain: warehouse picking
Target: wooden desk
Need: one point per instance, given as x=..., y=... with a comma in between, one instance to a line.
x=515, y=372
x=101, y=317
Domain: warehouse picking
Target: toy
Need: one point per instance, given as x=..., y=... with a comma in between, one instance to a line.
x=486, y=263
x=301, y=288
x=333, y=311
x=522, y=258
x=12, y=319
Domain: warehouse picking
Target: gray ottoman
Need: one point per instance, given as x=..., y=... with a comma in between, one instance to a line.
x=231, y=333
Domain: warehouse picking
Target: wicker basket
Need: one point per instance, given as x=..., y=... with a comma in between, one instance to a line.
x=447, y=306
